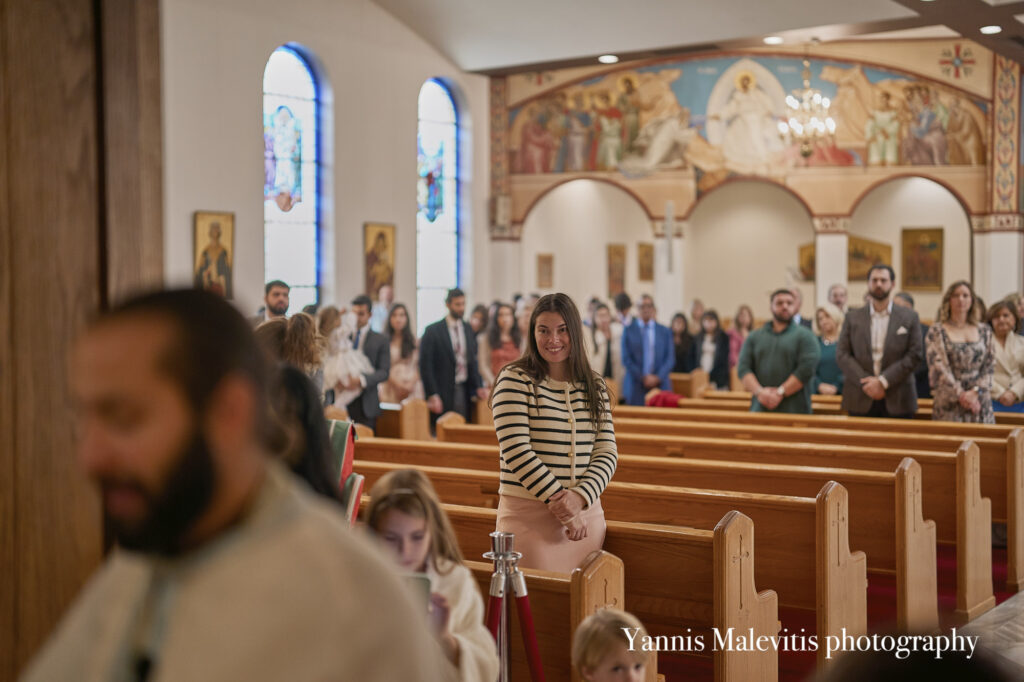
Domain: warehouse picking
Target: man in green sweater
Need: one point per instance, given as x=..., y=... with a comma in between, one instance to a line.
x=778, y=360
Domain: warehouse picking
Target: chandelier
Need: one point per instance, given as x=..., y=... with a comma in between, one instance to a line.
x=809, y=120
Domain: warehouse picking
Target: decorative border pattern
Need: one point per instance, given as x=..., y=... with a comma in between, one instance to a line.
x=1006, y=136
x=499, y=136
x=831, y=224
x=997, y=222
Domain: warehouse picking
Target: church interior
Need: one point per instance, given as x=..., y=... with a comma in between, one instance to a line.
x=713, y=152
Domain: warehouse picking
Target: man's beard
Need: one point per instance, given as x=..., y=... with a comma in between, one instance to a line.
x=278, y=310
x=782, y=318
x=174, y=508
x=878, y=294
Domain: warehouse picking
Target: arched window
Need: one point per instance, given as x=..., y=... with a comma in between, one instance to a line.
x=437, y=194
x=291, y=175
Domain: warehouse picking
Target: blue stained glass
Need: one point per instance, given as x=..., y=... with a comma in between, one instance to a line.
x=437, y=183
x=428, y=189
x=282, y=153
x=291, y=168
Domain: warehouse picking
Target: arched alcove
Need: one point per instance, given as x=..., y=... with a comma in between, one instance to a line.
x=575, y=223
x=742, y=242
x=914, y=202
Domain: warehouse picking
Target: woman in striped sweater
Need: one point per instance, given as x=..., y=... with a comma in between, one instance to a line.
x=554, y=426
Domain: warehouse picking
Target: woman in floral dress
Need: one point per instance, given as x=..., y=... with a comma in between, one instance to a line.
x=961, y=359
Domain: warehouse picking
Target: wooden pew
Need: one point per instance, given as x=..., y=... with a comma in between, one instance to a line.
x=1001, y=448
x=676, y=578
x=410, y=419
x=692, y=384
x=831, y=404
x=951, y=490
x=886, y=520
x=806, y=559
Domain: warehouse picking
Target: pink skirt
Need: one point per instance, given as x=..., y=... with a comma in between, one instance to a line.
x=541, y=537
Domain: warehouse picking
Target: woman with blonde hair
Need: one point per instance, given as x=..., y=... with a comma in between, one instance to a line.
x=406, y=514
x=828, y=378
x=554, y=426
x=742, y=325
x=608, y=647
x=961, y=358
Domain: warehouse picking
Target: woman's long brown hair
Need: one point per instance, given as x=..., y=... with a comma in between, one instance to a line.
x=534, y=366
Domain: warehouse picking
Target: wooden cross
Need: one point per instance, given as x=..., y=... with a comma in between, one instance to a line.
x=615, y=601
x=740, y=557
x=839, y=523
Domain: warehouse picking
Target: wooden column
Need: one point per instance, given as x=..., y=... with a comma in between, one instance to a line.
x=80, y=223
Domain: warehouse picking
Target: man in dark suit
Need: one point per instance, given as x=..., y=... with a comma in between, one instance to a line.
x=879, y=348
x=648, y=354
x=924, y=389
x=365, y=408
x=448, y=365
x=798, y=300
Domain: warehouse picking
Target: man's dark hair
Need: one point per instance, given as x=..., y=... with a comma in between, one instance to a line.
x=882, y=266
x=622, y=302
x=275, y=283
x=454, y=294
x=362, y=299
x=906, y=297
x=783, y=290
x=211, y=340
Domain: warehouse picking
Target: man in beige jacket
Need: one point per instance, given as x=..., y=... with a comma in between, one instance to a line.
x=227, y=567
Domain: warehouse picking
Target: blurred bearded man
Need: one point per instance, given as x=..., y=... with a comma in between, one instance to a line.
x=227, y=568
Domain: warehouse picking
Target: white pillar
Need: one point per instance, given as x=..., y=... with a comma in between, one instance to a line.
x=829, y=263
x=505, y=270
x=668, y=265
x=998, y=264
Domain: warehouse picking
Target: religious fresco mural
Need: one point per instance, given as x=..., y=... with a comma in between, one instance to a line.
x=721, y=116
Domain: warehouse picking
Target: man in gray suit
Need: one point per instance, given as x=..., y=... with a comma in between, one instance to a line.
x=879, y=348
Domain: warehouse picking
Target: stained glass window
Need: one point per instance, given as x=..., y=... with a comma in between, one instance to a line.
x=291, y=171
x=437, y=195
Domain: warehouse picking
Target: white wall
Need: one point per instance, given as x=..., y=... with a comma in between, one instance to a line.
x=998, y=263
x=214, y=53
x=575, y=222
x=742, y=243
x=914, y=202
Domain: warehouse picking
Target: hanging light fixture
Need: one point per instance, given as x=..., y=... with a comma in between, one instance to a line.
x=809, y=118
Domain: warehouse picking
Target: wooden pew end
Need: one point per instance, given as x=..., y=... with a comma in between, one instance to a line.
x=448, y=419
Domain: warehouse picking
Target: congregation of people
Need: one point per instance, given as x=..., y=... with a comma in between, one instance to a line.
x=232, y=484
x=879, y=357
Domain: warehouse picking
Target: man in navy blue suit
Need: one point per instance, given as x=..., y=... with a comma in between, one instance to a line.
x=647, y=353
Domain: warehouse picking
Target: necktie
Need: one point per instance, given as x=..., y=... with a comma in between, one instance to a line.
x=355, y=345
x=649, y=348
x=460, y=360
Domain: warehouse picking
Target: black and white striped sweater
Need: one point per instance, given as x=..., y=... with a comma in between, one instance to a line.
x=547, y=439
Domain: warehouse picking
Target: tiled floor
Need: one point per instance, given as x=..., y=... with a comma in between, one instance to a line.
x=1002, y=632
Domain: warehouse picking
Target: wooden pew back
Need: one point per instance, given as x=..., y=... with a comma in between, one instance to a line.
x=886, y=520
x=805, y=555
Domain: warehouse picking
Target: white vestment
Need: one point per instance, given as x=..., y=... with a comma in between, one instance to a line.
x=289, y=593
x=478, y=653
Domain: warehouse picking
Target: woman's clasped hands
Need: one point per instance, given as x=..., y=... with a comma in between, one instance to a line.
x=567, y=506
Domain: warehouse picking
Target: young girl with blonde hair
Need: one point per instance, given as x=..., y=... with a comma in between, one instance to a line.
x=601, y=648
x=406, y=514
